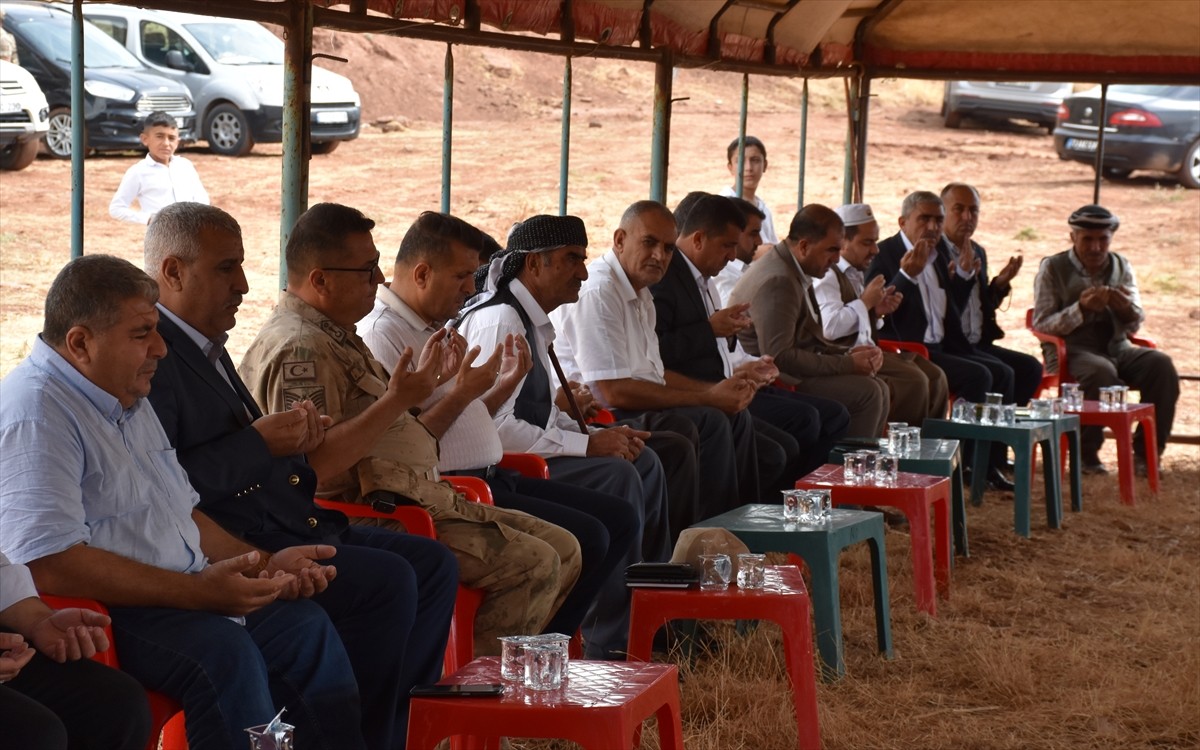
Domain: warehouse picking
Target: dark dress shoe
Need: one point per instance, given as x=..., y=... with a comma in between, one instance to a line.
x=997, y=481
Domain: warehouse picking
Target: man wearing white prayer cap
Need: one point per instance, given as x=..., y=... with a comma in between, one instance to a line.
x=852, y=314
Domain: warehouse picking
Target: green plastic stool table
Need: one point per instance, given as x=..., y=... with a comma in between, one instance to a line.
x=1023, y=437
x=762, y=529
x=940, y=458
x=1066, y=434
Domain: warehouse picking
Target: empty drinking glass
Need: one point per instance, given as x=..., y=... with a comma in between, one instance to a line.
x=512, y=657
x=1108, y=399
x=791, y=505
x=853, y=468
x=715, y=571
x=1039, y=408
x=1057, y=408
x=964, y=411
x=751, y=570
x=1120, y=396
x=912, y=441
x=995, y=399
x=992, y=414
x=868, y=471
x=886, y=467
x=820, y=505
x=1009, y=417
x=892, y=428
x=545, y=665
x=1072, y=396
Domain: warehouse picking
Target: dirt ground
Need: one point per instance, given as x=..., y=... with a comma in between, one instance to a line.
x=1082, y=638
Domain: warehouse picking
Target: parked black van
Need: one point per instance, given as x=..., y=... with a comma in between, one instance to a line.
x=118, y=90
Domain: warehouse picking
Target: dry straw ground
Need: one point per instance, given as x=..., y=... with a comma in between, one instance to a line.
x=1084, y=638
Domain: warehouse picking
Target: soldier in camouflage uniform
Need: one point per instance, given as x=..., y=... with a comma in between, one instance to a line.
x=377, y=451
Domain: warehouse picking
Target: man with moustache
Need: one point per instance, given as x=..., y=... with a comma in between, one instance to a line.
x=786, y=322
x=94, y=502
x=979, y=311
x=608, y=342
x=1089, y=296
x=254, y=480
x=432, y=276
x=851, y=313
x=542, y=268
x=377, y=451
x=935, y=288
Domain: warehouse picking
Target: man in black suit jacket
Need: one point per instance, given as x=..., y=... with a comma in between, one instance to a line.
x=696, y=337
x=918, y=264
x=979, y=308
x=394, y=593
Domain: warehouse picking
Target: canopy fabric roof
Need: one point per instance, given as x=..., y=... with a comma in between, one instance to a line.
x=1101, y=40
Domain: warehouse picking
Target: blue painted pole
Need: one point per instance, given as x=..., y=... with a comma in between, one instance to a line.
x=78, y=132
x=447, y=127
x=660, y=142
x=564, y=158
x=741, y=151
x=803, y=143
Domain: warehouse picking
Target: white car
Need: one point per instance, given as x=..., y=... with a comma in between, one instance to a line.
x=24, y=117
x=234, y=71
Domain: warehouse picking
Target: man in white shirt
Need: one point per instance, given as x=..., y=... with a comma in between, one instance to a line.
x=609, y=342
x=935, y=288
x=852, y=313
x=748, y=245
x=542, y=268
x=158, y=180
x=432, y=277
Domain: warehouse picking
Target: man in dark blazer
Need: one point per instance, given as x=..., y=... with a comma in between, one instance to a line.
x=935, y=287
x=394, y=593
x=697, y=339
x=979, y=309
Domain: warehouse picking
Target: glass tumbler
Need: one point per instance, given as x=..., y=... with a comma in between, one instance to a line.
x=751, y=570
x=512, y=657
x=886, y=468
x=853, y=468
x=715, y=571
x=545, y=666
x=791, y=505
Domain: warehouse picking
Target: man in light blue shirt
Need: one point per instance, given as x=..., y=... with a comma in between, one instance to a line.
x=93, y=499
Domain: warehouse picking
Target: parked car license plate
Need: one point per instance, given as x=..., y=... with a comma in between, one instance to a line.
x=1081, y=144
x=329, y=118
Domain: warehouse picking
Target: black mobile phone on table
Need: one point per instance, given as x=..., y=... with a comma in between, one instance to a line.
x=490, y=690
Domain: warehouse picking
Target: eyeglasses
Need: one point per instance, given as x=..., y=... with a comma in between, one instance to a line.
x=369, y=271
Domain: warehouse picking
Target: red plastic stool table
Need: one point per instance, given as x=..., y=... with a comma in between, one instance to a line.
x=1121, y=423
x=913, y=495
x=783, y=599
x=600, y=706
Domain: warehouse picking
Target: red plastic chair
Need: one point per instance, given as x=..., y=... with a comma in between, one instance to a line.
x=1063, y=375
x=166, y=716
x=895, y=347
x=604, y=416
x=460, y=646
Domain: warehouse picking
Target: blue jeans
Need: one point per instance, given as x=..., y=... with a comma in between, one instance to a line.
x=229, y=677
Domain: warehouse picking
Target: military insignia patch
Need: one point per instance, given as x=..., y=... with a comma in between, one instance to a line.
x=300, y=370
x=295, y=394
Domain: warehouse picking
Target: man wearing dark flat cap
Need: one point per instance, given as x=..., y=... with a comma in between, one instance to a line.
x=1088, y=295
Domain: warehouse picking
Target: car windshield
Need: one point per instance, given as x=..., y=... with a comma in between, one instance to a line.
x=238, y=44
x=52, y=38
x=1165, y=92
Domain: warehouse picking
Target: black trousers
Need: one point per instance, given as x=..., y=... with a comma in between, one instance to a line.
x=81, y=705
x=1027, y=370
x=813, y=422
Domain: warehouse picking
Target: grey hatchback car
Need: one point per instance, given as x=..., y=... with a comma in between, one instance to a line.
x=1002, y=100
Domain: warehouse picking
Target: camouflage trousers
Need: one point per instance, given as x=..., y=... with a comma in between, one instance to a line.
x=525, y=566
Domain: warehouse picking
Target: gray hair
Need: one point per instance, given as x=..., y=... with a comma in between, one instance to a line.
x=90, y=292
x=175, y=232
x=956, y=185
x=914, y=199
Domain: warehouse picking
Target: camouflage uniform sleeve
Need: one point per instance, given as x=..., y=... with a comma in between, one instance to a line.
x=282, y=370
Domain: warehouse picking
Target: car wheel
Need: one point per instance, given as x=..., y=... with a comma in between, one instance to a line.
x=227, y=131
x=1189, y=174
x=325, y=147
x=952, y=119
x=17, y=156
x=58, y=137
